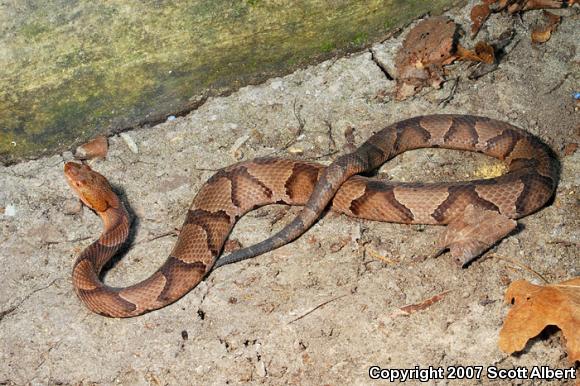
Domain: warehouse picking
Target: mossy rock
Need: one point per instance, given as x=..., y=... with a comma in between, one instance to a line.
x=71, y=69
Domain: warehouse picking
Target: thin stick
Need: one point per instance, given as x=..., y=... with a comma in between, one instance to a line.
x=522, y=265
x=315, y=308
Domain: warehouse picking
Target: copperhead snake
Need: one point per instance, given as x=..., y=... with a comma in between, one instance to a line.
x=231, y=192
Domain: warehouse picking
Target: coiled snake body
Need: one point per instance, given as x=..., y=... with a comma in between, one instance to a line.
x=234, y=190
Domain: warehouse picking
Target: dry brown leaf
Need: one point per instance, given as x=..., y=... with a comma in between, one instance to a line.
x=543, y=33
x=570, y=148
x=535, y=307
x=477, y=230
x=427, y=48
x=412, y=308
x=232, y=245
x=526, y=5
x=542, y=4
x=95, y=148
x=479, y=14
x=483, y=52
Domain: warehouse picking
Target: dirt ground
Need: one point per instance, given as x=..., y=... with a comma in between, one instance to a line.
x=323, y=309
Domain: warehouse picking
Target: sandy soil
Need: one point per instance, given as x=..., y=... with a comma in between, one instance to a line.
x=323, y=309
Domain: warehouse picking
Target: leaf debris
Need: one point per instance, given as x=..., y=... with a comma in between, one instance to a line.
x=426, y=49
x=95, y=148
x=412, y=308
x=535, y=307
x=542, y=33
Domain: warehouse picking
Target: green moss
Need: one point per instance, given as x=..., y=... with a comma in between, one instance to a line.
x=327, y=46
x=360, y=38
x=32, y=30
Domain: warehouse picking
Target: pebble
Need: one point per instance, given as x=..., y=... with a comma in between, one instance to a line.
x=295, y=150
x=10, y=210
x=72, y=206
x=131, y=144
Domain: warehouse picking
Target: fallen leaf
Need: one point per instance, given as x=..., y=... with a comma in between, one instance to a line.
x=570, y=149
x=542, y=34
x=479, y=14
x=526, y=5
x=339, y=244
x=232, y=245
x=470, y=235
x=412, y=308
x=95, y=148
x=535, y=307
x=541, y=4
x=426, y=49
x=483, y=52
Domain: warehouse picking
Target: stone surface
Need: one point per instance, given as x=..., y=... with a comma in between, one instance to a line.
x=263, y=321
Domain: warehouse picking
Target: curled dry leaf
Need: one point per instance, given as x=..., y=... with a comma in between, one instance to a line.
x=535, y=307
x=541, y=4
x=526, y=5
x=480, y=12
x=542, y=34
x=427, y=48
x=483, y=52
x=471, y=234
x=95, y=148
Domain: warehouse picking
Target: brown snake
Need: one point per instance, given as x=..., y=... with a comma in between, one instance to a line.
x=234, y=190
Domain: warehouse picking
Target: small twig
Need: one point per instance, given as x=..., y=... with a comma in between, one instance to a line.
x=301, y=124
x=69, y=241
x=447, y=99
x=377, y=256
x=317, y=307
x=206, y=170
x=329, y=133
x=332, y=62
x=566, y=243
x=174, y=232
x=13, y=308
x=323, y=156
x=561, y=82
x=521, y=265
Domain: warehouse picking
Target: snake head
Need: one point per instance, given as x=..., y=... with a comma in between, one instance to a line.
x=92, y=188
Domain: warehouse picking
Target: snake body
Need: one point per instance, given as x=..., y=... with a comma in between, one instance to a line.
x=237, y=189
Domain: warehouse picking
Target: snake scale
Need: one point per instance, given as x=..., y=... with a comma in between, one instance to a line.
x=231, y=192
